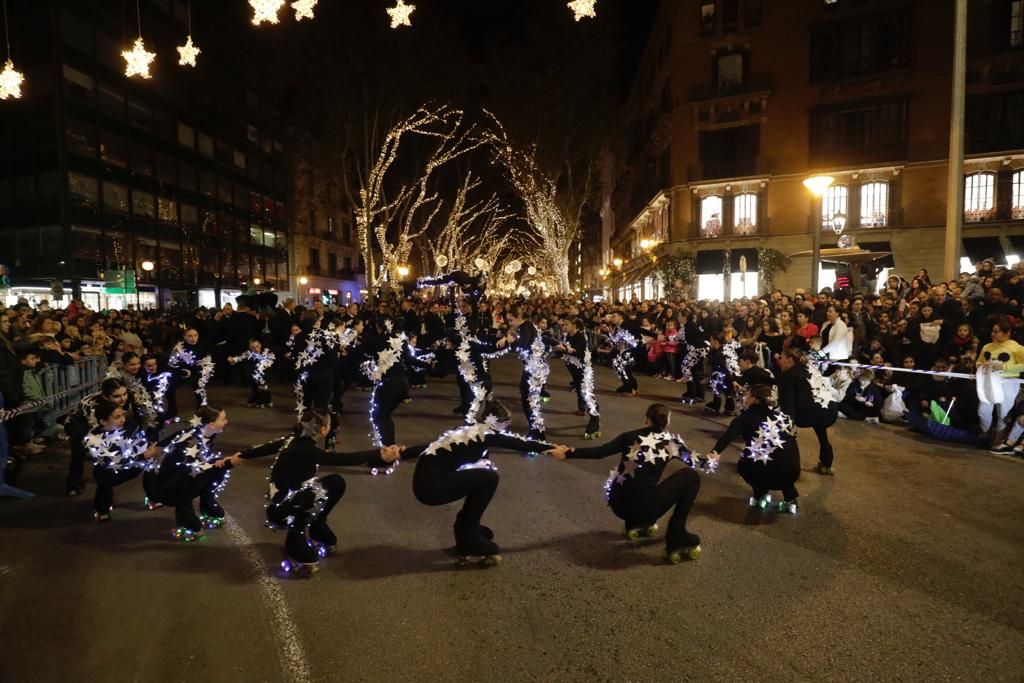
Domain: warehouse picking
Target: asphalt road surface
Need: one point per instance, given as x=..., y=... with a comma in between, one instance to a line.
x=905, y=566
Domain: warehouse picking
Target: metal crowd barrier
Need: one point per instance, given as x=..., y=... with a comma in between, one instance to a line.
x=71, y=383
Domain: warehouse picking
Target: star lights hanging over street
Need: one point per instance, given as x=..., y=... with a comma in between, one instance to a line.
x=303, y=9
x=10, y=82
x=265, y=11
x=188, y=53
x=583, y=9
x=137, y=60
x=400, y=14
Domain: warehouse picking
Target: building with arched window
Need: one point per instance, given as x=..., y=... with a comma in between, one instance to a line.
x=737, y=102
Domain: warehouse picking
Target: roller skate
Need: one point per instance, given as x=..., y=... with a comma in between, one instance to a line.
x=301, y=559
x=387, y=470
x=189, y=528
x=533, y=435
x=636, y=533
x=473, y=548
x=788, y=507
x=761, y=501
x=323, y=538
x=211, y=514
x=100, y=517
x=826, y=470
x=151, y=503
x=593, y=429
x=714, y=407
x=183, y=533
x=545, y=397
x=682, y=547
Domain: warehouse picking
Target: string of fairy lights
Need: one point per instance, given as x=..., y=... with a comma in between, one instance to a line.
x=138, y=59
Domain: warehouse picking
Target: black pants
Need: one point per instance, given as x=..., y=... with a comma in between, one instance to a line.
x=820, y=420
x=623, y=366
x=855, y=410
x=259, y=394
x=435, y=486
x=535, y=419
x=299, y=507
x=577, y=381
x=778, y=474
x=180, y=488
x=106, y=480
x=386, y=397
x=643, y=508
x=318, y=388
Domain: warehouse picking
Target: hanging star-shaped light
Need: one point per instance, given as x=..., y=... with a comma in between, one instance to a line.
x=583, y=9
x=303, y=9
x=265, y=10
x=400, y=14
x=188, y=53
x=137, y=60
x=10, y=82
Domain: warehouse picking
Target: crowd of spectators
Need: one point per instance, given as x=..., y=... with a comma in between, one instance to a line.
x=914, y=324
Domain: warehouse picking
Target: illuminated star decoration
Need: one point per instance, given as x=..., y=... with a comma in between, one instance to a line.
x=265, y=10
x=583, y=9
x=400, y=14
x=303, y=9
x=137, y=60
x=188, y=53
x=10, y=82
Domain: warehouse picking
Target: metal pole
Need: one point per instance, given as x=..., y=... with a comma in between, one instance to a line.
x=816, y=242
x=955, y=184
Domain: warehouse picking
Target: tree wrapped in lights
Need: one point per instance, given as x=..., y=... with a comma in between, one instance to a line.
x=554, y=201
x=395, y=214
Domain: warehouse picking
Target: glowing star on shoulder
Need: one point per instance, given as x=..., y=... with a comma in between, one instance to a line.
x=10, y=82
x=400, y=14
x=188, y=53
x=583, y=9
x=137, y=60
x=303, y=9
x=650, y=441
x=265, y=10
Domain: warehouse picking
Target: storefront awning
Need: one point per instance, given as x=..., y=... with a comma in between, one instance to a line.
x=710, y=262
x=885, y=261
x=734, y=259
x=637, y=274
x=981, y=248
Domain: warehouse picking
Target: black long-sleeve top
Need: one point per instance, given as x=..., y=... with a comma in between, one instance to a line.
x=755, y=375
x=300, y=457
x=469, y=444
x=643, y=453
x=754, y=420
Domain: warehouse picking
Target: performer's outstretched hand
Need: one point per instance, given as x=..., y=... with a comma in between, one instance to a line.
x=559, y=452
x=391, y=453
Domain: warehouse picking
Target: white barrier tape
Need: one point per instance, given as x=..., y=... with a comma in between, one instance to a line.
x=934, y=373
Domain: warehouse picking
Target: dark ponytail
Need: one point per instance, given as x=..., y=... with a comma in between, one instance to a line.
x=208, y=413
x=311, y=422
x=657, y=413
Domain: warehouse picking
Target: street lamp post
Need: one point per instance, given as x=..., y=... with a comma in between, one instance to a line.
x=817, y=186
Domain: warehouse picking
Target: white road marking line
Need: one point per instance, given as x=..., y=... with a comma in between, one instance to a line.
x=293, y=656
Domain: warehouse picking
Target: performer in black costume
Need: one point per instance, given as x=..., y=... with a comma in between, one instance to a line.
x=770, y=460
x=806, y=397
x=724, y=367
x=316, y=360
x=299, y=501
x=624, y=339
x=471, y=352
x=633, y=490
x=691, y=368
x=455, y=467
x=388, y=372
x=259, y=363
x=192, y=469
x=83, y=419
x=533, y=350
x=118, y=456
x=193, y=358
x=578, y=360
x=161, y=383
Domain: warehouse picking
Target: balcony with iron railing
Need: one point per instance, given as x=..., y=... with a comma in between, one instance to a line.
x=713, y=228
x=759, y=85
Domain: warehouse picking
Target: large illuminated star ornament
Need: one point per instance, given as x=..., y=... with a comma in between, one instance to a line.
x=583, y=9
x=303, y=9
x=400, y=14
x=265, y=10
x=10, y=82
x=188, y=53
x=137, y=60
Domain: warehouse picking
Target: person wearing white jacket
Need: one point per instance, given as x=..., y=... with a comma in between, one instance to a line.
x=836, y=338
